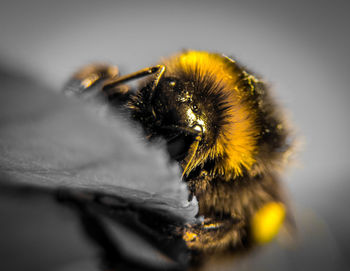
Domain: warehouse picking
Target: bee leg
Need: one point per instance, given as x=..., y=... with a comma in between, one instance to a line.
x=101, y=79
x=87, y=80
x=213, y=233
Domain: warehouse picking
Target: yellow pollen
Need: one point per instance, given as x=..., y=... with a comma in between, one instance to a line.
x=267, y=222
x=189, y=236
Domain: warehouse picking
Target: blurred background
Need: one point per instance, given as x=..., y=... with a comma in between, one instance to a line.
x=299, y=47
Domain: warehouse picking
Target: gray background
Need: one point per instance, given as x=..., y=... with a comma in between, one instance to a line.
x=300, y=47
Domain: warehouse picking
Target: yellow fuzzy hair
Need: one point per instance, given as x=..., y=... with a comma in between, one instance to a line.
x=236, y=142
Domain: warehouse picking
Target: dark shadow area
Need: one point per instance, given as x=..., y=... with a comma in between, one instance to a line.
x=116, y=228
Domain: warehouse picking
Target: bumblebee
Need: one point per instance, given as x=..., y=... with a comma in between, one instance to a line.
x=222, y=127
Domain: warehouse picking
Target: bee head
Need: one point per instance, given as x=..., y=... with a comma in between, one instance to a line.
x=199, y=109
x=181, y=117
